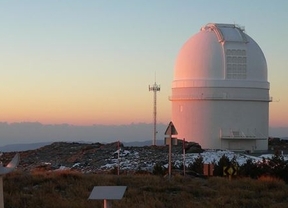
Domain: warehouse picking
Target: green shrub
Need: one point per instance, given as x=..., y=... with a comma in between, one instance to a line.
x=218, y=168
x=249, y=169
x=158, y=169
x=197, y=165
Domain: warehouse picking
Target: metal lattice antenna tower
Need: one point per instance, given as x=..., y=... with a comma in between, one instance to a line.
x=154, y=88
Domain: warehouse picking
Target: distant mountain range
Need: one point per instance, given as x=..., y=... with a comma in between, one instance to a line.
x=23, y=147
x=33, y=146
x=28, y=135
x=27, y=132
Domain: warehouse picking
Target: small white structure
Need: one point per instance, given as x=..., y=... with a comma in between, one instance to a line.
x=3, y=171
x=220, y=93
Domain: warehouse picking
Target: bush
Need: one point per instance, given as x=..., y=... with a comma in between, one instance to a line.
x=249, y=169
x=197, y=165
x=279, y=167
x=158, y=169
x=276, y=167
x=218, y=168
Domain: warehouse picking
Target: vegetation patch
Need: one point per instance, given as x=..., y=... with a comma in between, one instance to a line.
x=70, y=189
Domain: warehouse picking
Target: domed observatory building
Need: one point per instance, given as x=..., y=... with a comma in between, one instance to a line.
x=220, y=93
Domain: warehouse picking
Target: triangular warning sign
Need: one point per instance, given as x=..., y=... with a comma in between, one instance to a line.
x=171, y=130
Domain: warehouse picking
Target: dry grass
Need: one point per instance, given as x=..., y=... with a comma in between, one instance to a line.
x=72, y=189
x=269, y=178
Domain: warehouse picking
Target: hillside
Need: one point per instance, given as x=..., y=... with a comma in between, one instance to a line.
x=65, y=173
x=97, y=157
x=92, y=157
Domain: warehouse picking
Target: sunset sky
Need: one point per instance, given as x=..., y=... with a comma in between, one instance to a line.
x=90, y=62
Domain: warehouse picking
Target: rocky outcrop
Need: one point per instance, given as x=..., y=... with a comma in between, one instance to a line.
x=94, y=157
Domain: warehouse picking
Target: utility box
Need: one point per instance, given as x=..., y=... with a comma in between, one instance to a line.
x=208, y=169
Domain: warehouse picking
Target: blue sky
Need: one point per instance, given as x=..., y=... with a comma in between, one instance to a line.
x=90, y=62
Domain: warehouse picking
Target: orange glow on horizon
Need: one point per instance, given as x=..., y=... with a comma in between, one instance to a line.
x=81, y=117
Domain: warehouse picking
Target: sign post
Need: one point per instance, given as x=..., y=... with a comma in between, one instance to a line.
x=230, y=171
x=184, y=167
x=118, y=165
x=107, y=193
x=171, y=130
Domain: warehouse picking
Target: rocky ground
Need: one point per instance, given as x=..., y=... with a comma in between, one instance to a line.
x=96, y=157
x=99, y=158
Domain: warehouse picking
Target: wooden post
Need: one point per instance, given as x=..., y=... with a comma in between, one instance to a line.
x=107, y=204
x=170, y=156
x=118, y=169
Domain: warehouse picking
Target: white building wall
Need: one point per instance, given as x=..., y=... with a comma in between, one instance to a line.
x=203, y=114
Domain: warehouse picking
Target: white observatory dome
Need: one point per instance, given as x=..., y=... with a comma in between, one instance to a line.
x=220, y=92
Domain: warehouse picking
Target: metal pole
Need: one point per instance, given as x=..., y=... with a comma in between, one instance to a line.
x=184, y=167
x=107, y=204
x=118, y=169
x=170, y=155
x=1, y=193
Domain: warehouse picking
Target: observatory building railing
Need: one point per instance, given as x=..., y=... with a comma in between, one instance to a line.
x=223, y=96
x=238, y=134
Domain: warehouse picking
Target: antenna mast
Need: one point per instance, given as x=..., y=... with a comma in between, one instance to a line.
x=154, y=88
